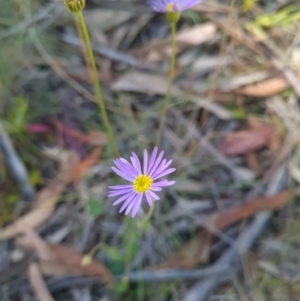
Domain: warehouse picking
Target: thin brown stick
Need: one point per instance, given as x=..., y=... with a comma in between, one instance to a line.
x=37, y=283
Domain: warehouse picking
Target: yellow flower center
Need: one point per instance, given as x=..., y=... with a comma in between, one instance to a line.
x=169, y=7
x=142, y=183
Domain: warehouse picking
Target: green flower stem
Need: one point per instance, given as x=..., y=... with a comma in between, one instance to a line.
x=99, y=97
x=147, y=217
x=170, y=81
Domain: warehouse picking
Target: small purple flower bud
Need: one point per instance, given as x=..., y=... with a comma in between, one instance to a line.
x=172, y=6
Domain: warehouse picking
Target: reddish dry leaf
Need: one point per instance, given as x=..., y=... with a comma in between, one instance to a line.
x=266, y=88
x=242, y=142
x=276, y=139
x=93, y=138
x=57, y=260
x=251, y=157
x=247, y=210
x=38, y=128
x=82, y=168
x=46, y=199
x=71, y=262
x=191, y=254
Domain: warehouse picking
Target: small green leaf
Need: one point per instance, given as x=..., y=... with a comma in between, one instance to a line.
x=248, y=4
x=95, y=208
x=117, y=267
x=34, y=177
x=17, y=114
x=122, y=287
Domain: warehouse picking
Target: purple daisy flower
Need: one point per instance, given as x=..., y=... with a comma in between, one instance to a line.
x=172, y=6
x=143, y=180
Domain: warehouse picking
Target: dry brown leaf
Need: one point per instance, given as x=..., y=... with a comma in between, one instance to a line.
x=252, y=162
x=58, y=259
x=191, y=36
x=143, y=83
x=101, y=20
x=71, y=262
x=247, y=210
x=194, y=36
x=211, y=8
x=242, y=142
x=82, y=168
x=46, y=199
x=240, y=80
x=254, y=123
x=95, y=138
x=156, y=84
x=197, y=35
x=196, y=251
x=266, y=88
x=37, y=283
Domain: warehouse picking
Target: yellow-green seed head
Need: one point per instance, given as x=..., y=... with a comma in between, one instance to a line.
x=75, y=6
x=173, y=16
x=86, y=260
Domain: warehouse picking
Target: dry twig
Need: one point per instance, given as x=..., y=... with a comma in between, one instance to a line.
x=37, y=283
x=16, y=166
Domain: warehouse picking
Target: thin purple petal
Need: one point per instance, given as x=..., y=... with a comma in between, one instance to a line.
x=123, y=174
x=145, y=161
x=153, y=195
x=163, y=183
x=162, y=167
x=130, y=207
x=149, y=199
x=119, y=192
x=156, y=163
x=152, y=159
x=155, y=188
x=178, y=5
x=124, y=197
x=137, y=205
x=125, y=165
x=136, y=165
x=117, y=187
x=164, y=173
x=139, y=168
x=128, y=201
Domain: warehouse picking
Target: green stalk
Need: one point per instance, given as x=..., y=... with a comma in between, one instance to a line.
x=100, y=101
x=144, y=222
x=170, y=81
